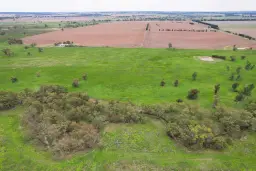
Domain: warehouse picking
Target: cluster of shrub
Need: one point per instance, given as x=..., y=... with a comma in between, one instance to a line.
x=197, y=128
x=69, y=122
x=192, y=94
x=245, y=91
x=14, y=41
x=65, y=122
x=7, y=52
x=2, y=33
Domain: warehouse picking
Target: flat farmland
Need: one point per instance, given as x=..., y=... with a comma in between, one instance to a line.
x=244, y=27
x=190, y=39
x=133, y=34
x=121, y=34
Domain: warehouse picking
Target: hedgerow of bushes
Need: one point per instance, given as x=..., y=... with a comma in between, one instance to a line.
x=65, y=122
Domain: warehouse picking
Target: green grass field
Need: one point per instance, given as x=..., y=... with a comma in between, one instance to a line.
x=125, y=75
x=125, y=147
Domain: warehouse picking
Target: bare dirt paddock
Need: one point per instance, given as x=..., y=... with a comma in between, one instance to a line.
x=120, y=34
x=134, y=34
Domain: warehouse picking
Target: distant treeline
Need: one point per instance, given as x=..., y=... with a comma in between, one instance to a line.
x=234, y=19
x=209, y=24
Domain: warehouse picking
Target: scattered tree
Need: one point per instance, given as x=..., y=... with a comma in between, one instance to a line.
x=243, y=57
x=234, y=48
x=228, y=68
x=84, y=77
x=238, y=70
x=7, y=52
x=238, y=77
x=179, y=100
x=162, y=83
x=235, y=86
x=33, y=45
x=28, y=54
x=248, y=90
x=193, y=94
x=26, y=47
x=176, y=83
x=232, y=58
x=14, y=79
x=38, y=74
x=216, y=89
x=232, y=77
x=170, y=45
x=240, y=97
x=75, y=83
x=194, y=76
x=40, y=50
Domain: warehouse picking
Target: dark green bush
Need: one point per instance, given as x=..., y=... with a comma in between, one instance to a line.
x=228, y=68
x=216, y=88
x=235, y=86
x=162, y=83
x=248, y=90
x=179, y=100
x=238, y=77
x=40, y=50
x=232, y=77
x=194, y=76
x=14, y=79
x=248, y=65
x=193, y=94
x=238, y=70
x=243, y=57
x=33, y=45
x=232, y=58
x=240, y=97
x=176, y=83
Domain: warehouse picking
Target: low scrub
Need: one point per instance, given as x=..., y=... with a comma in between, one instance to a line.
x=197, y=128
x=8, y=100
x=12, y=41
x=68, y=122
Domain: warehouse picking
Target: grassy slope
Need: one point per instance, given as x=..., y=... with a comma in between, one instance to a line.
x=126, y=74
x=29, y=28
x=130, y=147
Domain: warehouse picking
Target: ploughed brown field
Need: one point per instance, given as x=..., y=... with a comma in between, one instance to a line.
x=243, y=27
x=134, y=34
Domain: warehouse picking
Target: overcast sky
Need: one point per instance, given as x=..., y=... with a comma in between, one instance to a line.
x=125, y=5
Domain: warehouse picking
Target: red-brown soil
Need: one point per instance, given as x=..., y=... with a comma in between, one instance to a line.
x=120, y=34
x=134, y=34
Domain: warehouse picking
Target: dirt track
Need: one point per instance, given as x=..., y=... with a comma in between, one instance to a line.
x=133, y=34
